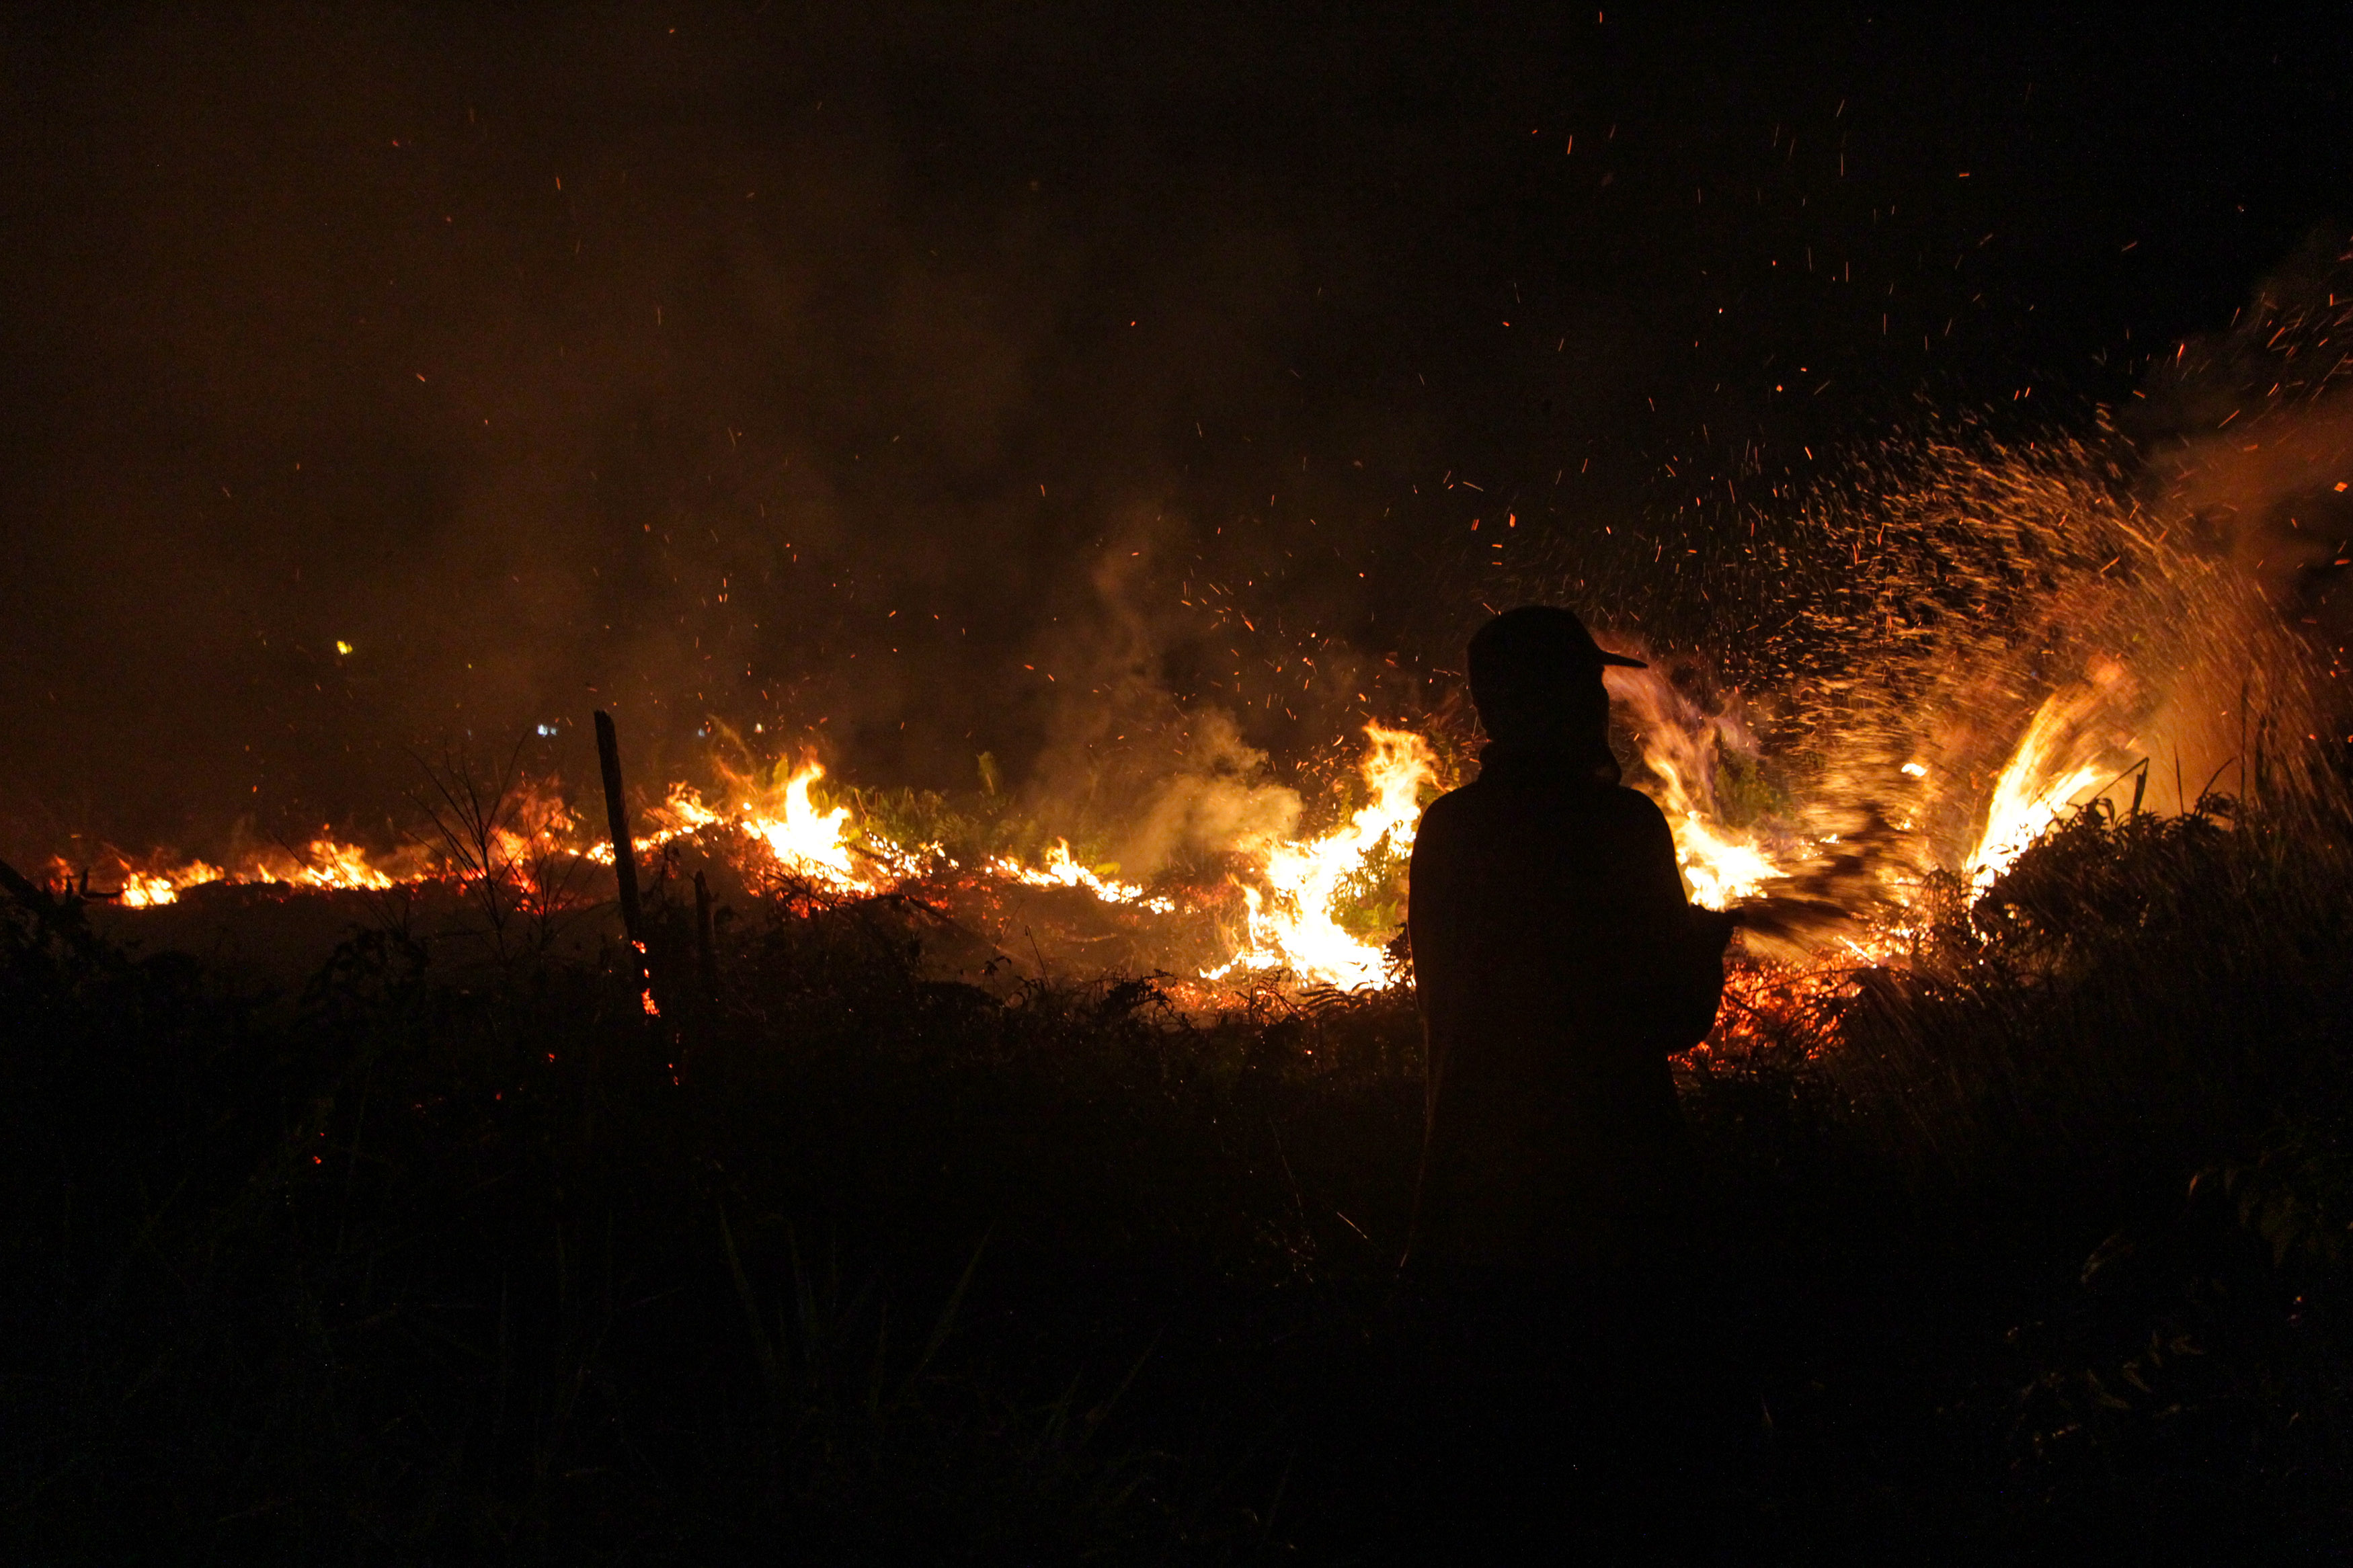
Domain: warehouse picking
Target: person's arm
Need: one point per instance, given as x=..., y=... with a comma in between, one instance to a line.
x=1433, y=938
x=1432, y=919
x=1687, y=983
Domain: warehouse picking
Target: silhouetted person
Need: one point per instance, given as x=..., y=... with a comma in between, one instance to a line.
x=1558, y=965
x=1560, y=1365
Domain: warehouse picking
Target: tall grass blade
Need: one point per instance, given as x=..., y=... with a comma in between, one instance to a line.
x=947, y=1324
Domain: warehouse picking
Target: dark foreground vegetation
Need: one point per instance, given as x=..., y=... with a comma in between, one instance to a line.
x=2037, y=1249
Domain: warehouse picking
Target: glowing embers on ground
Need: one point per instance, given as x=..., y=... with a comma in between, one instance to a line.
x=1294, y=920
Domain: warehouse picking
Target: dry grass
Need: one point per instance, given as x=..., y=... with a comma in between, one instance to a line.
x=420, y=1266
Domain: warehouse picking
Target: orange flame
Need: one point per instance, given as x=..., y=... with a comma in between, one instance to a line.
x=1297, y=895
x=145, y=889
x=2040, y=781
x=1062, y=872
x=327, y=864
x=1680, y=746
x=805, y=840
x=1292, y=924
x=818, y=846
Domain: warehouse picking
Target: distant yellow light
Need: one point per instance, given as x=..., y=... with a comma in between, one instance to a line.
x=342, y=646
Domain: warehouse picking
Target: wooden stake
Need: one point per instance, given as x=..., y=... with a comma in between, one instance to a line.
x=616, y=819
x=707, y=962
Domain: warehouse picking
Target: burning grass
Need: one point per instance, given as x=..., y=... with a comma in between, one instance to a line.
x=2007, y=637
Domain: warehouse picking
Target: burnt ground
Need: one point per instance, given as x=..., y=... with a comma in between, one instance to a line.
x=441, y=1255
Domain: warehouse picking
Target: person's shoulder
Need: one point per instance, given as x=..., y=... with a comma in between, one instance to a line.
x=1458, y=799
x=1633, y=808
x=1449, y=810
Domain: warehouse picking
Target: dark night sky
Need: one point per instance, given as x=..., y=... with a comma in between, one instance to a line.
x=655, y=356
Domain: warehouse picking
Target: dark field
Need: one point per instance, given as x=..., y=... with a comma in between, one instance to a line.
x=2037, y=1251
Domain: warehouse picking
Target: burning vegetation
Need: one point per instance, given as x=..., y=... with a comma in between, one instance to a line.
x=2001, y=637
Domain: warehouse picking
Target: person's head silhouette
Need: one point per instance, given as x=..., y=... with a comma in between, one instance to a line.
x=1535, y=678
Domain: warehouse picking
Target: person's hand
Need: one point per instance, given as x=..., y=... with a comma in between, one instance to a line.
x=1712, y=929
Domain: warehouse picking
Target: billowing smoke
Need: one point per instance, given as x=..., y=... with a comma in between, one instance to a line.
x=2250, y=433
x=389, y=380
x=1219, y=800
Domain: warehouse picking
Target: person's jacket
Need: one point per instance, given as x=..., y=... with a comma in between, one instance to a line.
x=1558, y=965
